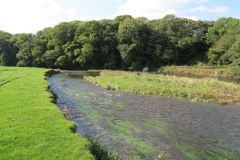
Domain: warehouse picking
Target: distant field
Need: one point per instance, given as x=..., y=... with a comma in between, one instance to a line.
x=31, y=127
x=203, y=90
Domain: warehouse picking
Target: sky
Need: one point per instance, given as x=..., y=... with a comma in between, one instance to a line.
x=30, y=16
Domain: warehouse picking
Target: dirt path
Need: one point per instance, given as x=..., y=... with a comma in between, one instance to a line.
x=144, y=127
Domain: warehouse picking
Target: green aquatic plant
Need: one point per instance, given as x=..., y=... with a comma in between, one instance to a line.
x=194, y=153
x=160, y=126
x=126, y=130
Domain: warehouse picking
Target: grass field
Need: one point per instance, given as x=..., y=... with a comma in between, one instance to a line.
x=31, y=127
x=195, y=70
x=203, y=90
x=230, y=73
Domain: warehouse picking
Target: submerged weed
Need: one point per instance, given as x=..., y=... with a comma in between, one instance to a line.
x=194, y=153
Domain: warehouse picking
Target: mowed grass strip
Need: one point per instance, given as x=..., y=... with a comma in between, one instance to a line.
x=31, y=127
x=202, y=90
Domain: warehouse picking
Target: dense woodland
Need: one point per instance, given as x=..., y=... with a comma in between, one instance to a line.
x=125, y=43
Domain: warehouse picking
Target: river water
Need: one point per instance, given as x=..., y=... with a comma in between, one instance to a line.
x=138, y=127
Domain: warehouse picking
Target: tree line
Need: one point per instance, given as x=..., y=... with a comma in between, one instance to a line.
x=125, y=43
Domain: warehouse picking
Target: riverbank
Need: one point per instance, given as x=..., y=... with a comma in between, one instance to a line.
x=31, y=127
x=198, y=90
x=224, y=73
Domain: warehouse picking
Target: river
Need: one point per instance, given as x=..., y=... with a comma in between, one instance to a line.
x=138, y=127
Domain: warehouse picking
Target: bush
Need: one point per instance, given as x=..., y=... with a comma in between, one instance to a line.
x=234, y=70
x=146, y=69
x=136, y=66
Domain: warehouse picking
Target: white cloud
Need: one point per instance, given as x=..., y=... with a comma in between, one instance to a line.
x=155, y=9
x=119, y=1
x=152, y=8
x=18, y=16
x=218, y=9
x=195, y=18
x=202, y=1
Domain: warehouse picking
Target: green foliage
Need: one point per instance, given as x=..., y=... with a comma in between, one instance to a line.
x=224, y=36
x=24, y=44
x=101, y=152
x=42, y=43
x=146, y=69
x=186, y=39
x=234, y=70
x=125, y=43
x=7, y=50
x=31, y=126
x=122, y=43
x=222, y=27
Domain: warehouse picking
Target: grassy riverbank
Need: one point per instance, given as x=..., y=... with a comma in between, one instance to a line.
x=203, y=90
x=31, y=127
x=196, y=71
x=225, y=73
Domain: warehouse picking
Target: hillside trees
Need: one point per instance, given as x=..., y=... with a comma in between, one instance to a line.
x=224, y=37
x=125, y=43
x=7, y=50
x=41, y=45
x=24, y=45
x=139, y=44
x=186, y=39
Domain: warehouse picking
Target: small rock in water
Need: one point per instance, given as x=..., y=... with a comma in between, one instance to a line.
x=108, y=94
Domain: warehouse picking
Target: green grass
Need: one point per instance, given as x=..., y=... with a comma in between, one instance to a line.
x=203, y=90
x=31, y=127
x=204, y=71
x=226, y=73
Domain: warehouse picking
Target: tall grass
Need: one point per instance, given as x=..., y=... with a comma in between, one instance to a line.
x=203, y=90
x=230, y=73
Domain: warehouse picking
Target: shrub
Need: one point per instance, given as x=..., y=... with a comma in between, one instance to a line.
x=146, y=69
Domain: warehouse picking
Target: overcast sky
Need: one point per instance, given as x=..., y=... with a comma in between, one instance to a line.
x=17, y=16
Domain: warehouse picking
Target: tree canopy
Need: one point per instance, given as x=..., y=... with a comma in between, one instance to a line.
x=125, y=43
x=224, y=37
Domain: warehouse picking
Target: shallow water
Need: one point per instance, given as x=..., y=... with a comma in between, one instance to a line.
x=144, y=127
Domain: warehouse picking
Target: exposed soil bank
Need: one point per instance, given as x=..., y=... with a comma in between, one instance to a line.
x=144, y=127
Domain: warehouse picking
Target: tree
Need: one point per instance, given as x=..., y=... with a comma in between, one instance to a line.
x=217, y=54
x=223, y=36
x=222, y=27
x=233, y=53
x=133, y=39
x=125, y=43
x=41, y=44
x=7, y=50
x=186, y=41
x=24, y=43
